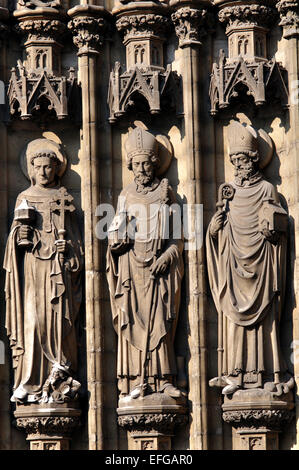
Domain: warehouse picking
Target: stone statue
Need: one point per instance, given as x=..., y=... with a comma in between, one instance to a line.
x=32, y=4
x=43, y=261
x=246, y=256
x=144, y=271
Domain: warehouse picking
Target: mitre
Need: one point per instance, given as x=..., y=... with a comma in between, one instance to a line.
x=241, y=139
x=141, y=142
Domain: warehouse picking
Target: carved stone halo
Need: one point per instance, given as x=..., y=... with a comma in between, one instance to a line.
x=266, y=148
x=41, y=145
x=165, y=150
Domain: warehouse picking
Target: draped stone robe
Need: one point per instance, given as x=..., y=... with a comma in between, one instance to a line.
x=43, y=295
x=246, y=275
x=136, y=298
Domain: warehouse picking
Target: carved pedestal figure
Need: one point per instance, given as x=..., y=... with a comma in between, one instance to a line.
x=144, y=269
x=43, y=261
x=246, y=253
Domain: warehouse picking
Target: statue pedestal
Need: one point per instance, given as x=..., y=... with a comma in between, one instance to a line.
x=257, y=417
x=48, y=426
x=150, y=420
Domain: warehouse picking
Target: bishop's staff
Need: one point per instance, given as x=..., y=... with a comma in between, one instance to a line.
x=225, y=193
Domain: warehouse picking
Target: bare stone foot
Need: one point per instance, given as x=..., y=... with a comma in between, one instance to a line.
x=230, y=389
x=172, y=391
x=217, y=382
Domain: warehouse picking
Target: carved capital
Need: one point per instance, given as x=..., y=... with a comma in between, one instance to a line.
x=289, y=17
x=88, y=33
x=152, y=422
x=258, y=418
x=41, y=29
x=246, y=15
x=48, y=425
x=191, y=25
x=142, y=25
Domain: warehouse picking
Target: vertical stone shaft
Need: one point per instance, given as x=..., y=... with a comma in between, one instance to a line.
x=289, y=15
x=187, y=21
x=90, y=200
x=88, y=25
x=5, y=429
x=195, y=274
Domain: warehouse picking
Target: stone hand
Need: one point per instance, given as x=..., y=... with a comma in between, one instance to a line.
x=25, y=232
x=119, y=247
x=160, y=266
x=217, y=223
x=61, y=246
x=270, y=235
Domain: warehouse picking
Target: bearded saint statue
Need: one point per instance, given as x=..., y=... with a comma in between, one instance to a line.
x=43, y=261
x=144, y=271
x=246, y=258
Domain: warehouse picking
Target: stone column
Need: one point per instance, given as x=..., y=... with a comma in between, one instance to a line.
x=4, y=15
x=289, y=20
x=189, y=19
x=5, y=429
x=88, y=25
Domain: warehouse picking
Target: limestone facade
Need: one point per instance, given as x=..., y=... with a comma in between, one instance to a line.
x=84, y=74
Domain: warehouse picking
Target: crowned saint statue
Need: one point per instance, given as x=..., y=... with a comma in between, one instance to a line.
x=43, y=262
